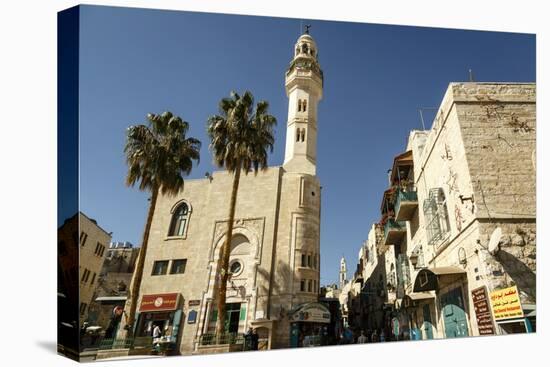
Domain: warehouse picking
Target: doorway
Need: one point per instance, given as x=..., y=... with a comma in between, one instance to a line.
x=427, y=324
x=454, y=315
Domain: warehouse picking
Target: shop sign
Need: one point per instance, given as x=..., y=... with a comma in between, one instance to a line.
x=159, y=302
x=312, y=314
x=194, y=302
x=506, y=304
x=483, y=312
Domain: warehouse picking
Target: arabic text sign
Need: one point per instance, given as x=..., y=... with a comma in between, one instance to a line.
x=506, y=304
x=483, y=313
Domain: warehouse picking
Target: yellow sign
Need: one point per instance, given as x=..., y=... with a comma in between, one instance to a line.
x=506, y=304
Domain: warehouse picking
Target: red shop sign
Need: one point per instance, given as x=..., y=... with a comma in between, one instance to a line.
x=159, y=302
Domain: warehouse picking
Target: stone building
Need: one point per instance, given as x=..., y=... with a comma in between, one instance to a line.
x=93, y=241
x=114, y=281
x=275, y=254
x=460, y=214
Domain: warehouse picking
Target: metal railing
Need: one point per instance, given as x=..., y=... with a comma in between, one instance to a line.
x=228, y=338
x=126, y=343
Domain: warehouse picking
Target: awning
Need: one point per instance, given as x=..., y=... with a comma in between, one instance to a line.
x=410, y=299
x=429, y=279
x=529, y=310
x=110, y=298
x=403, y=159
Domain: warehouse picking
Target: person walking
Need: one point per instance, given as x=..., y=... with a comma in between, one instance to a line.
x=374, y=337
x=248, y=339
x=255, y=339
x=362, y=339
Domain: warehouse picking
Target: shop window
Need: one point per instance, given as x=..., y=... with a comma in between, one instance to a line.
x=178, y=266
x=160, y=267
x=83, y=238
x=179, y=221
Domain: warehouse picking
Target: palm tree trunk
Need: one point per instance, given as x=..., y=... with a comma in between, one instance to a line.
x=223, y=262
x=138, y=271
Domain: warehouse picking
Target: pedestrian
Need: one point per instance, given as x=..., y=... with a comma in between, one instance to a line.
x=362, y=338
x=255, y=339
x=248, y=339
x=374, y=337
x=157, y=333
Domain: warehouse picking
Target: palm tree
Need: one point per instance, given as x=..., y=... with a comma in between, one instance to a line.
x=158, y=156
x=240, y=136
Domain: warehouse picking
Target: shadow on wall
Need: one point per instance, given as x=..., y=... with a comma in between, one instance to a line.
x=281, y=281
x=520, y=273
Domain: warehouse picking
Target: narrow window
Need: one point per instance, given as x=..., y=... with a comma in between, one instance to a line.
x=179, y=220
x=299, y=105
x=297, y=134
x=93, y=279
x=303, y=260
x=304, y=106
x=82, y=308
x=309, y=285
x=178, y=266
x=303, y=134
x=309, y=261
x=83, y=238
x=302, y=285
x=84, y=275
x=160, y=267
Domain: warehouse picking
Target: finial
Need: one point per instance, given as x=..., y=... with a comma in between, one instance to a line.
x=308, y=26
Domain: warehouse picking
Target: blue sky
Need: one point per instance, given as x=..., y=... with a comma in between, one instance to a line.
x=136, y=61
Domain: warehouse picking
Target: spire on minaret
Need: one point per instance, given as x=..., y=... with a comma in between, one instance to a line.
x=343, y=272
x=304, y=88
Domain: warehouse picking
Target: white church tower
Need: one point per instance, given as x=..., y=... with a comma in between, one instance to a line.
x=304, y=88
x=343, y=273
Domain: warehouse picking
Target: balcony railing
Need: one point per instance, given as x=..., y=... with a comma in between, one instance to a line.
x=406, y=203
x=394, y=231
x=228, y=338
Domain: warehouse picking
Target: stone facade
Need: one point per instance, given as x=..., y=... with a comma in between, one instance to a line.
x=94, y=242
x=275, y=254
x=471, y=173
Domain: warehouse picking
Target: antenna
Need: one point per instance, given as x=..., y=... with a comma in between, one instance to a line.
x=420, y=110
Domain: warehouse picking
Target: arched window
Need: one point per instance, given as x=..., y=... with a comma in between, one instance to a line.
x=179, y=220
x=303, y=134
x=304, y=105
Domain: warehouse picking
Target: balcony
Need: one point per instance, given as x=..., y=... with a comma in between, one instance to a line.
x=405, y=205
x=394, y=231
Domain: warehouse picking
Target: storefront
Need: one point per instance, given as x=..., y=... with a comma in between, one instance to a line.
x=509, y=314
x=418, y=306
x=448, y=282
x=309, y=325
x=162, y=310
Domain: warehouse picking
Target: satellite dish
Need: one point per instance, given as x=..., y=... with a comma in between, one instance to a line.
x=494, y=241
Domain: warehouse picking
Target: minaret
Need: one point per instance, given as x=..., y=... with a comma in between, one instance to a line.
x=304, y=89
x=343, y=273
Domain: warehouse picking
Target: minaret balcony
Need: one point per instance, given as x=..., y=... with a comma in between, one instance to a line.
x=394, y=232
x=405, y=204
